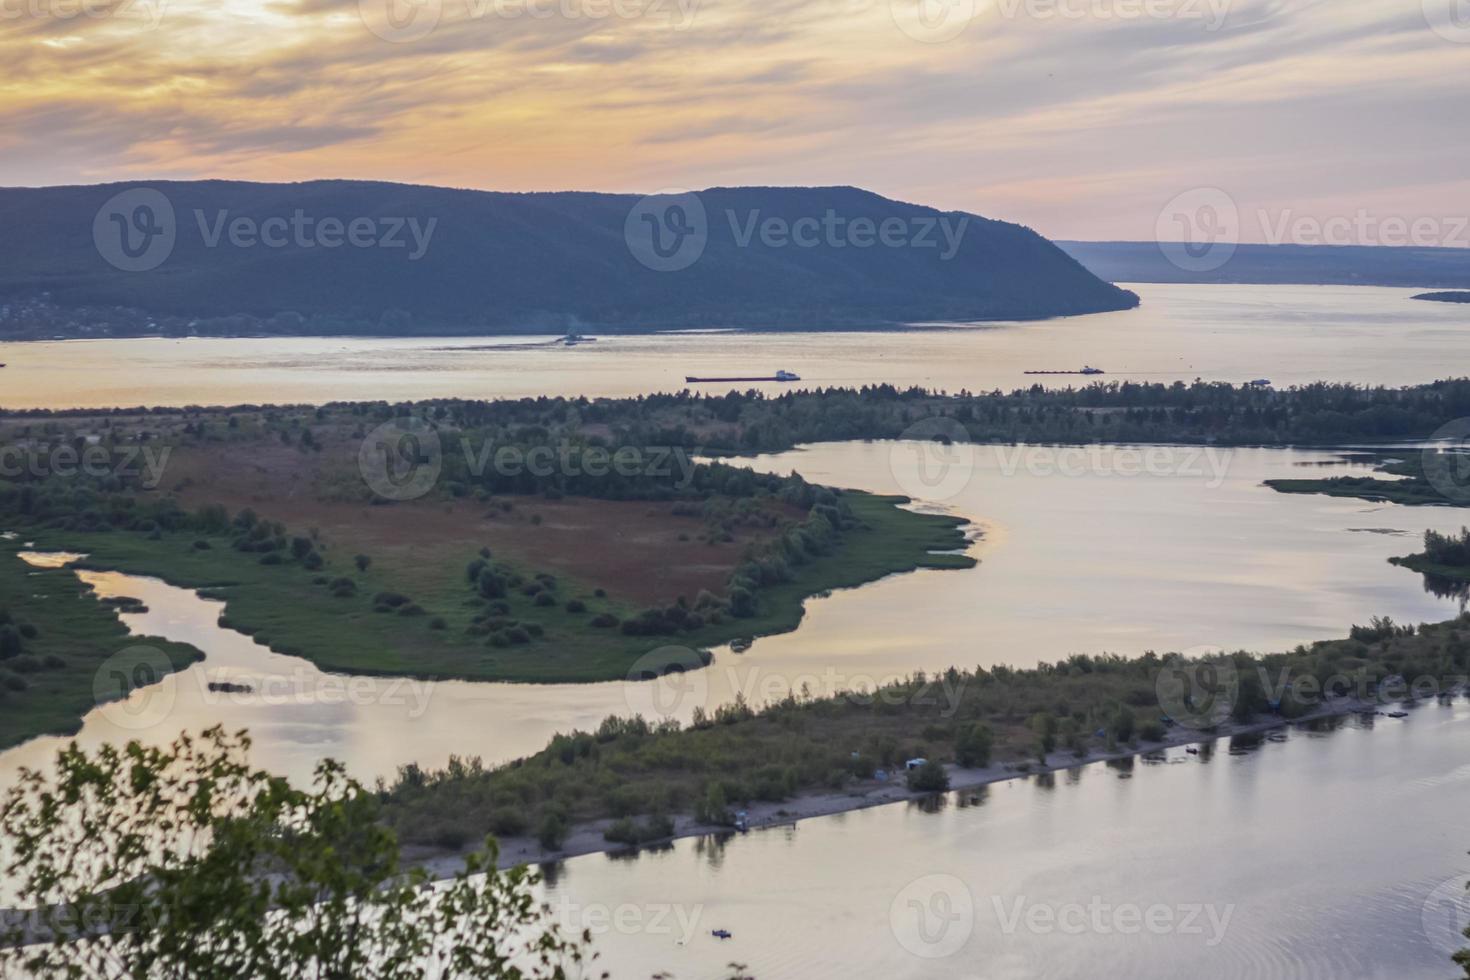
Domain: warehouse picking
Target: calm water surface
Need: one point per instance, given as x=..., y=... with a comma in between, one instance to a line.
x=1308, y=855
x=1290, y=334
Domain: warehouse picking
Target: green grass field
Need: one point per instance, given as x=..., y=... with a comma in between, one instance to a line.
x=1409, y=492
x=294, y=610
x=58, y=667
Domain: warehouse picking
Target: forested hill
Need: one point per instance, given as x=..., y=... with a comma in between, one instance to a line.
x=1312, y=265
x=346, y=256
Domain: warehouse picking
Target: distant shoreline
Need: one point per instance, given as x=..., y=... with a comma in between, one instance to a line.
x=587, y=838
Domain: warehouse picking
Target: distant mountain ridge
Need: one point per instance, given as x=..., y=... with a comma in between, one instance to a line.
x=1311, y=265
x=348, y=256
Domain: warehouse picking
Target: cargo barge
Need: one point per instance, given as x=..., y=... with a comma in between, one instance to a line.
x=778, y=376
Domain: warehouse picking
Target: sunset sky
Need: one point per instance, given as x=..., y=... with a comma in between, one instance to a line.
x=1081, y=118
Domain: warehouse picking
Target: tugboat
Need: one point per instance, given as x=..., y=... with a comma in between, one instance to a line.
x=778, y=376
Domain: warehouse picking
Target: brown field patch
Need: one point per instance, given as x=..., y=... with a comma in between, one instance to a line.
x=633, y=549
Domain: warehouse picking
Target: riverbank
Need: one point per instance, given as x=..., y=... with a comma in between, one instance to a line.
x=587, y=838
x=63, y=651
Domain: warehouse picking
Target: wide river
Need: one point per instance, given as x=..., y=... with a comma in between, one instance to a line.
x=1290, y=334
x=1308, y=854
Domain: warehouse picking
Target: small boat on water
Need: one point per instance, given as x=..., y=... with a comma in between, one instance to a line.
x=778, y=376
x=1086, y=369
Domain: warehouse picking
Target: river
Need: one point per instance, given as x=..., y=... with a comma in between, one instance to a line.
x=1326, y=854
x=1289, y=334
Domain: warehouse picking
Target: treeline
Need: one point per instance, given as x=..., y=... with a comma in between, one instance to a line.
x=1448, y=549
x=641, y=773
x=1103, y=411
x=754, y=421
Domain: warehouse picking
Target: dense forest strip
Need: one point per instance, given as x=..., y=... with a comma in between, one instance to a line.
x=642, y=774
x=752, y=421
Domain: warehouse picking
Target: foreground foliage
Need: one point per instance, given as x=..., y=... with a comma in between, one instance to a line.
x=184, y=862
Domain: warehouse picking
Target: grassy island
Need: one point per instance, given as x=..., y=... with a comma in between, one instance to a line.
x=558, y=571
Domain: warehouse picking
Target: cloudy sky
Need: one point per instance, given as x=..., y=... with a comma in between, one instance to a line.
x=1081, y=118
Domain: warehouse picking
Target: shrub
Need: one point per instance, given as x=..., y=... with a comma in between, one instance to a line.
x=621, y=831
x=973, y=746
x=928, y=778
x=438, y=623
x=553, y=831
x=576, y=606
x=604, y=620
x=490, y=584
x=362, y=562
x=507, y=823
x=545, y=599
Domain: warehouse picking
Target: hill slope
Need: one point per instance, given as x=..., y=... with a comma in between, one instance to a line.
x=1312, y=265
x=471, y=261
